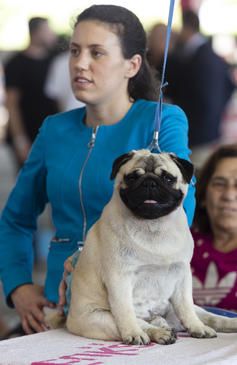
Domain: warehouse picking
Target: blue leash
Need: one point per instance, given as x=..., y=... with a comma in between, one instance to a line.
x=154, y=146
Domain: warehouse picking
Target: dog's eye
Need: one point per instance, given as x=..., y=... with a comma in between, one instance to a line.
x=168, y=178
x=131, y=177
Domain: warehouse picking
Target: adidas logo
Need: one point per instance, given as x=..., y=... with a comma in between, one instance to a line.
x=213, y=290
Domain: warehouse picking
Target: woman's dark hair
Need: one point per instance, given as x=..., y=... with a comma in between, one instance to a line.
x=131, y=33
x=201, y=219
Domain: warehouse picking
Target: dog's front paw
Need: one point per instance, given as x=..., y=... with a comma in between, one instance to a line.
x=202, y=332
x=136, y=338
x=162, y=335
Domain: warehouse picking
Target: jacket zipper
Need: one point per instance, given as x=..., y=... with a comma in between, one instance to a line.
x=90, y=147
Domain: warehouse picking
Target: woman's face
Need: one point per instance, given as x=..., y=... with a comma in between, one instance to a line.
x=221, y=196
x=99, y=72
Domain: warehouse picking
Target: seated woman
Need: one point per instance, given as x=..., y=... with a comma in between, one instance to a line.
x=214, y=262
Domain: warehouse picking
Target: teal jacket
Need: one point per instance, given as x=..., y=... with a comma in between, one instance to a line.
x=51, y=174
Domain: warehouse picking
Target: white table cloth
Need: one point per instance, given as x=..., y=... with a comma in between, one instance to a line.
x=58, y=347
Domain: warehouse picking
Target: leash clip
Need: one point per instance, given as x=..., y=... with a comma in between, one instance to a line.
x=154, y=145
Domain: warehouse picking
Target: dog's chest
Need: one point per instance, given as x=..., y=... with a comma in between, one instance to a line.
x=152, y=288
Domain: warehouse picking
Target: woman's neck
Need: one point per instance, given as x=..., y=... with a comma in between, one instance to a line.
x=107, y=114
x=224, y=241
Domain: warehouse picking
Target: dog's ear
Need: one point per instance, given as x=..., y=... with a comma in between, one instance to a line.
x=121, y=160
x=186, y=167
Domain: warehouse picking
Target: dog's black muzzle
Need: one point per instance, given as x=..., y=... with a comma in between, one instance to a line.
x=150, y=197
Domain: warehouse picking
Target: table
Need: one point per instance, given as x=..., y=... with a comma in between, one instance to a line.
x=58, y=347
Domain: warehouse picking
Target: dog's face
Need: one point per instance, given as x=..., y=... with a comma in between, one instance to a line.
x=151, y=185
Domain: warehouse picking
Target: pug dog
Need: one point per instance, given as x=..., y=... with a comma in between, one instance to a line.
x=133, y=281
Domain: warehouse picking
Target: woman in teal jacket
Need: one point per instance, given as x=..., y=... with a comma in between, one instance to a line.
x=71, y=159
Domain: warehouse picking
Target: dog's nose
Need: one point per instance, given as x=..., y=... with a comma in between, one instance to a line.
x=149, y=184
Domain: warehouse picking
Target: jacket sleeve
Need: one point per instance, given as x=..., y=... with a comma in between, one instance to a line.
x=174, y=138
x=18, y=220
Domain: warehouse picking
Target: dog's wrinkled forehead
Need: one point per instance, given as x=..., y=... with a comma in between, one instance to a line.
x=144, y=162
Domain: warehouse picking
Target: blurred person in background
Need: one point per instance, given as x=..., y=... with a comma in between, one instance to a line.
x=156, y=45
x=229, y=121
x=201, y=86
x=214, y=263
x=58, y=85
x=156, y=40
x=25, y=75
x=3, y=110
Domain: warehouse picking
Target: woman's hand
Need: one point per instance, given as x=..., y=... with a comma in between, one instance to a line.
x=68, y=268
x=29, y=301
